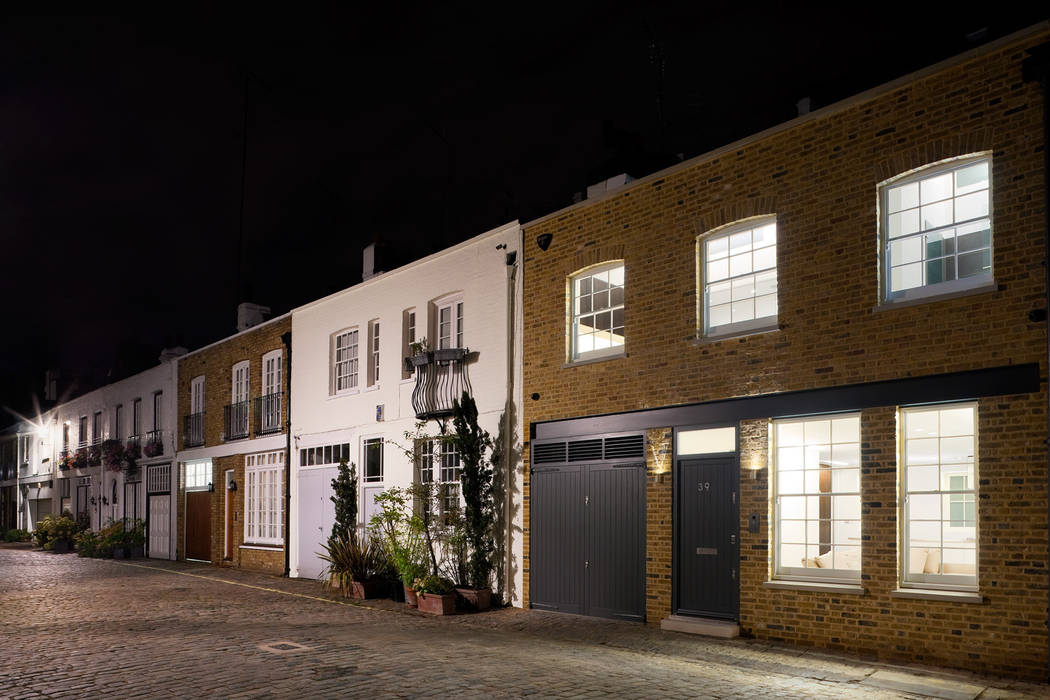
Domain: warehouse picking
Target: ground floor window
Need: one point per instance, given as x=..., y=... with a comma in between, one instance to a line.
x=439, y=465
x=198, y=474
x=263, y=498
x=939, y=481
x=816, y=476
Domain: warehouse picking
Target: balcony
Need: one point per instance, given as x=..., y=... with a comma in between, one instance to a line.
x=268, y=414
x=441, y=378
x=235, y=420
x=193, y=430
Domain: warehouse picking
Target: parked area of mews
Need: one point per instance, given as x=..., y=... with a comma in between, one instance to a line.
x=174, y=629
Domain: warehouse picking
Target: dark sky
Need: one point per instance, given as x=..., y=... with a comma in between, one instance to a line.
x=121, y=143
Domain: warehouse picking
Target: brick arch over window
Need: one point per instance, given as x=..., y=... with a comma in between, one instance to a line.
x=746, y=209
x=592, y=256
x=932, y=152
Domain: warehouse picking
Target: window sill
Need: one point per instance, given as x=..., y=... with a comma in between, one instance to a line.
x=344, y=394
x=592, y=360
x=946, y=596
x=733, y=335
x=373, y=387
x=934, y=297
x=816, y=586
x=263, y=547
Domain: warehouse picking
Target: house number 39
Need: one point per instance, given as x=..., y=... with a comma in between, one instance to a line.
x=703, y=486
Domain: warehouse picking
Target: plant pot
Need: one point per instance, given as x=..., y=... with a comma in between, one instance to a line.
x=436, y=604
x=119, y=553
x=396, y=591
x=477, y=599
x=363, y=590
x=423, y=358
x=411, y=600
x=137, y=551
x=60, y=546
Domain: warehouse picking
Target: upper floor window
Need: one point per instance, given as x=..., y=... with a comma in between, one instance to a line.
x=83, y=436
x=817, y=497
x=408, y=338
x=118, y=422
x=65, y=435
x=597, y=312
x=739, y=278
x=939, y=480
x=373, y=353
x=197, y=395
x=158, y=406
x=937, y=230
x=344, y=361
x=96, y=428
x=268, y=406
x=136, y=417
x=450, y=325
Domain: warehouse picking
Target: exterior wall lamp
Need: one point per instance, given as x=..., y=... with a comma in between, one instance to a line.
x=232, y=486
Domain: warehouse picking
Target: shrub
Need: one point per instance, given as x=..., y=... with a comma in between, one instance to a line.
x=53, y=528
x=17, y=535
x=436, y=585
x=87, y=544
x=350, y=559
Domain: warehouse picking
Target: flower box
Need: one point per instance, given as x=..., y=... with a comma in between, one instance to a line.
x=363, y=590
x=437, y=604
x=478, y=599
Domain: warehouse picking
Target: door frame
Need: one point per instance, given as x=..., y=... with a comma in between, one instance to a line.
x=676, y=481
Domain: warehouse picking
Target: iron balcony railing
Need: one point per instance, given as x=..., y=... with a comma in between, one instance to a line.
x=235, y=420
x=193, y=430
x=154, y=444
x=441, y=378
x=268, y=414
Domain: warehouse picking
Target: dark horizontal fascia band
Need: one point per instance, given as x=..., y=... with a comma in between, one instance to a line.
x=932, y=388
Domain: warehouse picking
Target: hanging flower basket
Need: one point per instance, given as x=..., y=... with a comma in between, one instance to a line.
x=153, y=448
x=94, y=456
x=80, y=459
x=65, y=462
x=114, y=455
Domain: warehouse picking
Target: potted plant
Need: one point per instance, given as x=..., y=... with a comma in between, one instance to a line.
x=437, y=595
x=112, y=540
x=403, y=538
x=80, y=458
x=136, y=538
x=114, y=457
x=479, y=511
x=56, y=533
x=420, y=354
x=65, y=460
x=354, y=567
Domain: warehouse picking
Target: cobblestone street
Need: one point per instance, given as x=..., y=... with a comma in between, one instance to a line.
x=91, y=628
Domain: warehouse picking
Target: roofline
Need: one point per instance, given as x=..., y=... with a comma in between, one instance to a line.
x=491, y=233
x=833, y=108
x=235, y=335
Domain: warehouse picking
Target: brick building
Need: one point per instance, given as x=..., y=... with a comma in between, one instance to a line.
x=233, y=410
x=792, y=388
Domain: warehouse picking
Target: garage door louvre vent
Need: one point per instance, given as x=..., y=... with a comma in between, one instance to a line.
x=551, y=452
x=585, y=450
x=625, y=447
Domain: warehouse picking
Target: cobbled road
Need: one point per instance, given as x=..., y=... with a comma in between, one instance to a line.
x=83, y=628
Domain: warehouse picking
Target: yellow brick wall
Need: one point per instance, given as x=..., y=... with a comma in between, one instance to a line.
x=216, y=363
x=820, y=179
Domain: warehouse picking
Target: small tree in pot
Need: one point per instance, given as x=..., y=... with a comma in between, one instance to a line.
x=344, y=497
x=471, y=442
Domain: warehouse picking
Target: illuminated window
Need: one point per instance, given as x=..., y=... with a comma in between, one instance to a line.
x=597, y=328
x=263, y=498
x=739, y=278
x=344, y=361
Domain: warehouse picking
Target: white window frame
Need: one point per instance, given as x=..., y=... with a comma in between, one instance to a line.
x=264, y=498
x=324, y=455
x=118, y=412
x=136, y=418
x=440, y=464
x=82, y=437
x=344, y=351
x=409, y=319
x=240, y=382
x=197, y=395
x=158, y=410
x=197, y=474
x=449, y=333
x=935, y=289
x=373, y=353
x=365, y=442
x=575, y=311
x=96, y=428
x=271, y=377
x=799, y=571
x=936, y=581
x=743, y=283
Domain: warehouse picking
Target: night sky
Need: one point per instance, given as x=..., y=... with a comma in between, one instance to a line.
x=121, y=145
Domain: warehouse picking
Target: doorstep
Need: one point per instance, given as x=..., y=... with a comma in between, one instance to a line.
x=706, y=626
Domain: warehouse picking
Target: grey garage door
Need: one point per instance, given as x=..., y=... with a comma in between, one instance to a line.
x=587, y=547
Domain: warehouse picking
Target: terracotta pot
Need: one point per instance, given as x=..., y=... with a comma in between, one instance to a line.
x=410, y=597
x=362, y=590
x=478, y=599
x=437, y=604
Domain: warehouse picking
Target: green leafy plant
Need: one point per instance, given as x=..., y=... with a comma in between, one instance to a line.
x=111, y=537
x=17, y=535
x=471, y=442
x=54, y=528
x=435, y=585
x=402, y=534
x=350, y=559
x=87, y=544
x=344, y=496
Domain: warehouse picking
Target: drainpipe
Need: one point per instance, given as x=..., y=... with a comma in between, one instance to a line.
x=1037, y=68
x=286, y=340
x=510, y=475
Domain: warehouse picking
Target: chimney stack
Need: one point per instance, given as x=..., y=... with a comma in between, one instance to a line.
x=249, y=314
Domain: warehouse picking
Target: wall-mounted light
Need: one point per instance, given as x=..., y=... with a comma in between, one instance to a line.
x=757, y=464
x=544, y=240
x=211, y=487
x=232, y=486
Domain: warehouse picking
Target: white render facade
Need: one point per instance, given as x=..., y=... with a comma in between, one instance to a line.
x=140, y=413
x=352, y=393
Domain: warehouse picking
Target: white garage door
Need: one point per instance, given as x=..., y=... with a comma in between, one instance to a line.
x=160, y=527
x=316, y=515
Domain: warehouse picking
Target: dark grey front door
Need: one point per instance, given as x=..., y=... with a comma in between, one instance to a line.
x=707, y=552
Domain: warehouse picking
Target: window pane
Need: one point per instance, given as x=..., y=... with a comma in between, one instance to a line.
x=971, y=206
x=743, y=310
x=717, y=270
x=717, y=248
x=972, y=178
x=740, y=242
x=719, y=316
x=766, y=306
x=765, y=235
x=718, y=293
x=905, y=250
x=766, y=283
x=936, y=188
x=903, y=223
x=765, y=258
x=977, y=263
x=937, y=215
x=906, y=277
x=740, y=264
x=903, y=197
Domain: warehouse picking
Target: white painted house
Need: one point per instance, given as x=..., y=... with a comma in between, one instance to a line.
x=353, y=395
x=139, y=414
